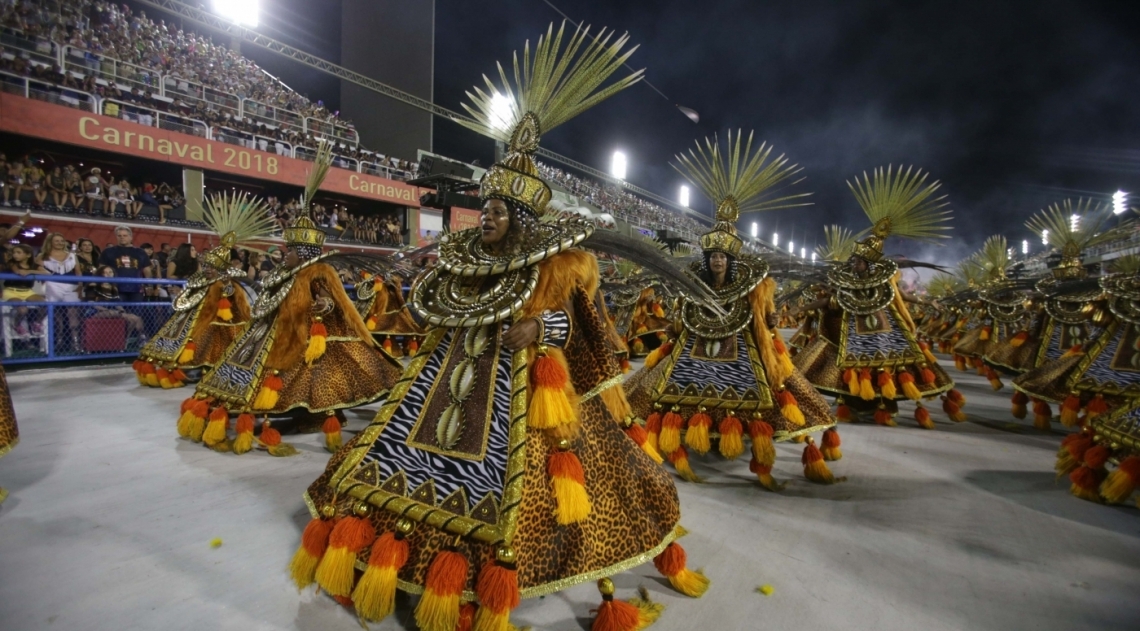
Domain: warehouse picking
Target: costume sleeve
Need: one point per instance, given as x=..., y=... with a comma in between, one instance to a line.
x=555, y=328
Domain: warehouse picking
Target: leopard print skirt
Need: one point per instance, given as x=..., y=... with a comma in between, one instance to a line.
x=350, y=373
x=9, y=434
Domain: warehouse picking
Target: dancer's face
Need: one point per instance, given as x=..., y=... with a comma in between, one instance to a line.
x=718, y=263
x=495, y=221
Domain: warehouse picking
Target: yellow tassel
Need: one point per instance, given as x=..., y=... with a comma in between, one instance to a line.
x=852, y=379
x=268, y=394
x=243, y=443
x=550, y=407
x=152, y=380
x=697, y=435
x=569, y=485
x=669, y=440
x=731, y=442
x=672, y=564
x=336, y=570
x=815, y=469
x=225, y=315
x=187, y=354
x=318, y=340
x=679, y=458
x=215, y=432
x=789, y=408
x=371, y=323
x=866, y=390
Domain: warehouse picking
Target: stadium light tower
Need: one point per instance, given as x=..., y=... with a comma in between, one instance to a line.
x=1074, y=222
x=755, y=229
x=684, y=196
x=618, y=166
x=1119, y=202
x=1025, y=246
x=776, y=239
x=792, y=247
x=813, y=257
x=242, y=12
x=1044, y=237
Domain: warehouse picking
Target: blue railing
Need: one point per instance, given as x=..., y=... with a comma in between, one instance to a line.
x=40, y=331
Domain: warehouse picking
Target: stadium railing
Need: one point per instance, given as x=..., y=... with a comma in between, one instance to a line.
x=40, y=332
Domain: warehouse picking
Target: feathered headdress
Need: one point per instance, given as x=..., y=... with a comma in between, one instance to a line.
x=1128, y=264
x=942, y=285
x=236, y=218
x=737, y=181
x=993, y=258
x=970, y=272
x=549, y=89
x=899, y=203
x=1072, y=228
x=838, y=244
x=303, y=230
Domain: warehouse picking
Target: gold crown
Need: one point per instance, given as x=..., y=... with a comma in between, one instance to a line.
x=722, y=238
x=304, y=232
x=516, y=177
x=869, y=249
x=219, y=257
x=1070, y=267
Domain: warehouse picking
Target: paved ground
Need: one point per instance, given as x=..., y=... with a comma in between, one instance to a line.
x=110, y=519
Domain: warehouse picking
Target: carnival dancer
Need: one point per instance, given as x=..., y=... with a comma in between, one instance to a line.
x=724, y=375
x=212, y=309
x=9, y=433
x=1078, y=314
x=867, y=354
x=497, y=468
x=381, y=301
x=838, y=244
x=643, y=322
x=997, y=309
x=306, y=352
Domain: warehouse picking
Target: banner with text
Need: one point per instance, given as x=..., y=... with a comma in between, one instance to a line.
x=28, y=117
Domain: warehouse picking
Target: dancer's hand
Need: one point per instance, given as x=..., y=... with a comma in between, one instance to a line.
x=521, y=334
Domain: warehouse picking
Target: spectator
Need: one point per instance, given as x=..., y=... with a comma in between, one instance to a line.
x=87, y=256
x=23, y=263
x=184, y=263
x=14, y=183
x=148, y=198
x=57, y=186
x=108, y=292
x=93, y=188
x=60, y=260
x=127, y=261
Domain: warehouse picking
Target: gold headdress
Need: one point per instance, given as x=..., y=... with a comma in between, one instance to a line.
x=942, y=285
x=899, y=203
x=548, y=90
x=838, y=244
x=1071, y=228
x=237, y=218
x=1129, y=264
x=970, y=272
x=303, y=230
x=737, y=184
x=992, y=259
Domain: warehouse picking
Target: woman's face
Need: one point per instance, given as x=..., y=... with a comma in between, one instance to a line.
x=193, y=252
x=58, y=242
x=495, y=221
x=19, y=255
x=108, y=272
x=718, y=262
x=86, y=247
x=292, y=259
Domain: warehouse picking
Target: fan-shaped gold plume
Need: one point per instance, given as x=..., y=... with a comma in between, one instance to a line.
x=737, y=180
x=838, y=244
x=1072, y=227
x=993, y=258
x=238, y=217
x=901, y=203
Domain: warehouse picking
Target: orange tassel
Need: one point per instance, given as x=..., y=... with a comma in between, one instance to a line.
x=1018, y=404
x=653, y=430
x=928, y=377
x=149, y=375
x=270, y=437
x=192, y=424
x=670, y=438
x=1072, y=453
x=851, y=378
x=1042, y=414
x=658, y=311
x=883, y=417
x=960, y=363
x=1072, y=352
x=815, y=469
x=215, y=433
x=658, y=354
x=337, y=570
x=624, y=365
x=1070, y=410
x=985, y=334
x=1086, y=480
x=318, y=342
x=639, y=436
x=1096, y=406
x=568, y=481
x=466, y=617
x=763, y=454
x=953, y=410
x=438, y=609
x=679, y=458
x=1020, y=338
x=164, y=378
x=830, y=445
x=314, y=542
x=842, y=412
x=413, y=346
x=225, y=310
x=672, y=563
x=1121, y=483
x=617, y=615
x=731, y=432
x=957, y=397
x=979, y=365
x=790, y=408
x=906, y=380
x=697, y=435
x=995, y=381
x=331, y=429
x=926, y=353
x=887, y=384
x=549, y=406
x=922, y=417
x=498, y=590
x=244, y=428
x=371, y=324
x=177, y=377
x=187, y=354
x=866, y=390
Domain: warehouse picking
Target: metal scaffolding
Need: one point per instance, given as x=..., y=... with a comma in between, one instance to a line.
x=208, y=20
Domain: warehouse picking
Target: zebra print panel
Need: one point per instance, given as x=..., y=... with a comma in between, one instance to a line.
x=1101, y=370
x=702, y=372
x=392, y=454
x=870, y=344
x=556, y=328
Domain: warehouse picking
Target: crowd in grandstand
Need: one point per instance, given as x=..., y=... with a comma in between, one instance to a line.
x=621, y=204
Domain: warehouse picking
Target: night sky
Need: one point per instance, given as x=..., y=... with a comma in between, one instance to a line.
x=1012, y=105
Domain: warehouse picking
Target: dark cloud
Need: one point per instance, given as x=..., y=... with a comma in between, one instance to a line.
x=1012, y=105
